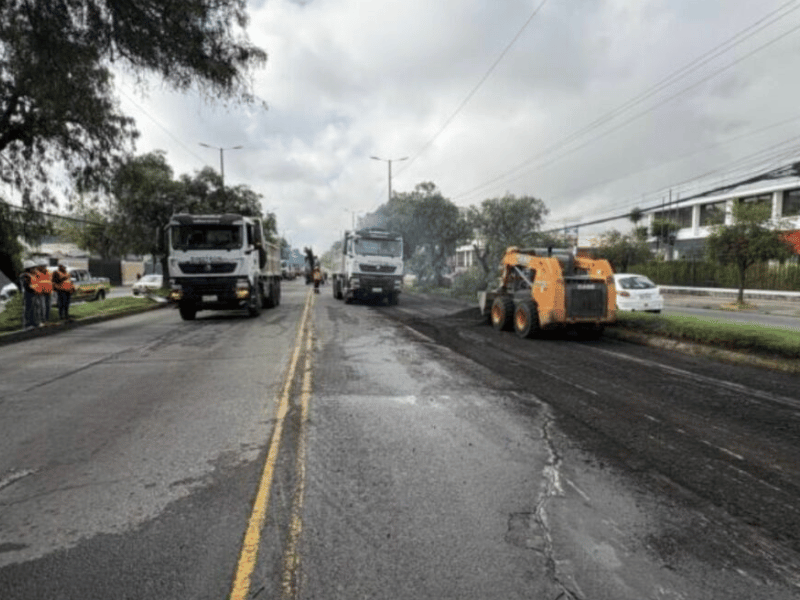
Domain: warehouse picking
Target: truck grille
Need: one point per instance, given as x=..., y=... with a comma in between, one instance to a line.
x=377, y=268
x=586, y=299
x=222, y=267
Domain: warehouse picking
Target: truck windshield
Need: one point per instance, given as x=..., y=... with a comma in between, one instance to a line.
x=206, y=237
x=371, y=247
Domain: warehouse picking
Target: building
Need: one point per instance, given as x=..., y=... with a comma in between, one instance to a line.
x=697, y=215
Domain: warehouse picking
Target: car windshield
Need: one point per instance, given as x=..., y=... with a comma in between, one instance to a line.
x=372, y=247
x=635, y=283
x=206, y=237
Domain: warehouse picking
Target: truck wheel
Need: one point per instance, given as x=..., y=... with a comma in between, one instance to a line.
x=392, y=298
x=101, y=295
x=502, y=313
x=187, y=310
x=256, y=299
x=277, y=293
x=526, y=319
x=269, y=300
x=339, y=290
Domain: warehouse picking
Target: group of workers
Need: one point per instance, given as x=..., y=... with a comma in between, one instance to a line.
x=38, y=284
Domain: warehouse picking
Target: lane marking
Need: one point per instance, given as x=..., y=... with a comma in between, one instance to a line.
x=735, y=387
x=252, y=538
x=290, y=580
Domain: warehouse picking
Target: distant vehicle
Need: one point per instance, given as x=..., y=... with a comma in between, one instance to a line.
x=9, y=291
x=637, y=292
x=371, y=265
x=87, y=287
x=147, y=284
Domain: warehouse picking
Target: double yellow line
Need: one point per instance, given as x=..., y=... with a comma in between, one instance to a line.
x=252, y=539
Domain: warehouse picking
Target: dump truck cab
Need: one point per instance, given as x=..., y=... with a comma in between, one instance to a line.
x=547, y=288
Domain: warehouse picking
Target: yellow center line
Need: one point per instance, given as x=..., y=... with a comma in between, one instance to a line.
x=290, y=581
x=252, y=538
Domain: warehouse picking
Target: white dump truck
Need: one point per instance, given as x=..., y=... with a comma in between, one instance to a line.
x=222, y=262
x=371, y=266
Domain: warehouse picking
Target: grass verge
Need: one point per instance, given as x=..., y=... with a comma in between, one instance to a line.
x=739, y=337
x=11, y=317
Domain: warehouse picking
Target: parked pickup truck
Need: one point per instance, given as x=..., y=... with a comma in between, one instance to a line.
x=88, y=287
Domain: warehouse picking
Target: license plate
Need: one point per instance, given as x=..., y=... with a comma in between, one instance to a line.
x=209, y=298
x=377, y=290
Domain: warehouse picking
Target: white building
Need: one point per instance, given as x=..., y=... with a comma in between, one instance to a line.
x=697, y=215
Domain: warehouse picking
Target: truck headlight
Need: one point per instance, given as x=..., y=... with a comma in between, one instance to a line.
x=242, y=289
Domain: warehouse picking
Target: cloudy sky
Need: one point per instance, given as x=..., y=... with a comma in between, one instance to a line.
x=594, y=106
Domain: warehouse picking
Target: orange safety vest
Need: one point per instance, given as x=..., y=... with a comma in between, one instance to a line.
x=36, y=282
x=63, y=282
x=46, y=282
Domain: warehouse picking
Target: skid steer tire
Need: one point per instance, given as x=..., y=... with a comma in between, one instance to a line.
x=526, y=319
x=502, y=313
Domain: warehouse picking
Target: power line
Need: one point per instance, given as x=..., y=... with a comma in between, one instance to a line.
x=474, y=89
x=674, y=77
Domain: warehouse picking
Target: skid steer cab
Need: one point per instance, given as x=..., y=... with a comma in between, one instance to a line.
x=544, y=289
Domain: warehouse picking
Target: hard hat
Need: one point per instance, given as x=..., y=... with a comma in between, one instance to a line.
x=28, y=264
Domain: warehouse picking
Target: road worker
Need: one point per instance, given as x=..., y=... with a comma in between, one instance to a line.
x=62, y=283
x=46, y=287
x=29, y=285
x=317, y=275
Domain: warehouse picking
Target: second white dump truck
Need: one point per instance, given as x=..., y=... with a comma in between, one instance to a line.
x=371, y=265
x=222, y=262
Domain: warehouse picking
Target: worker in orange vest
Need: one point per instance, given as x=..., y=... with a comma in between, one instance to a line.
x=46, y=287
x=62, y=283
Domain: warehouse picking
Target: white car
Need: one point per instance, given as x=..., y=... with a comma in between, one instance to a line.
x=147, y=284
x=8, y=291
x=637, y=292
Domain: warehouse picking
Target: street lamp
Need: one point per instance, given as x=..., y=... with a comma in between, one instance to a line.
x=389, y=161
x=221, y=162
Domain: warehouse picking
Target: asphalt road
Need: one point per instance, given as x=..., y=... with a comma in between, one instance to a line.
x=326, y=450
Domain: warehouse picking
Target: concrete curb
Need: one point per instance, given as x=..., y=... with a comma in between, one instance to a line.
x=19, y=336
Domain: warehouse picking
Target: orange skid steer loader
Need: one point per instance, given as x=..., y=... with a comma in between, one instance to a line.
x=544, y=289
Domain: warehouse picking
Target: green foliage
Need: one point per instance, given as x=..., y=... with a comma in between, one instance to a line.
x=11, y=317
x=58, y=113
x=664, y=230
x=466, y=285
x=747, y=240
x=431, y=227
x=760, y=276
x=731, y=336
x=502, y=222
x=622, y=250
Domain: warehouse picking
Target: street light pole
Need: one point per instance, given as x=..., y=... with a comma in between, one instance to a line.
x=221, y=160
x=389, y=161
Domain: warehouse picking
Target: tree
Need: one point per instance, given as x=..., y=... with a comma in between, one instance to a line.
x=431, y=227
x=622, y=250
x=502, y=222
x=664, y=231
x=747, y=241
x=58, y=113
x=145, y=196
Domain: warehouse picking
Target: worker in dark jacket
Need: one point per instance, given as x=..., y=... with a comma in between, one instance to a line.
x=29, y=283
x=62, y=283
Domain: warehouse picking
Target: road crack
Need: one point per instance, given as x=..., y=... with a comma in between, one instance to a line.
x=551, y=489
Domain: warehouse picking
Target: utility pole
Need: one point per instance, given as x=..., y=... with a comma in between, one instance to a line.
x=221, y=160
x=389, y=161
